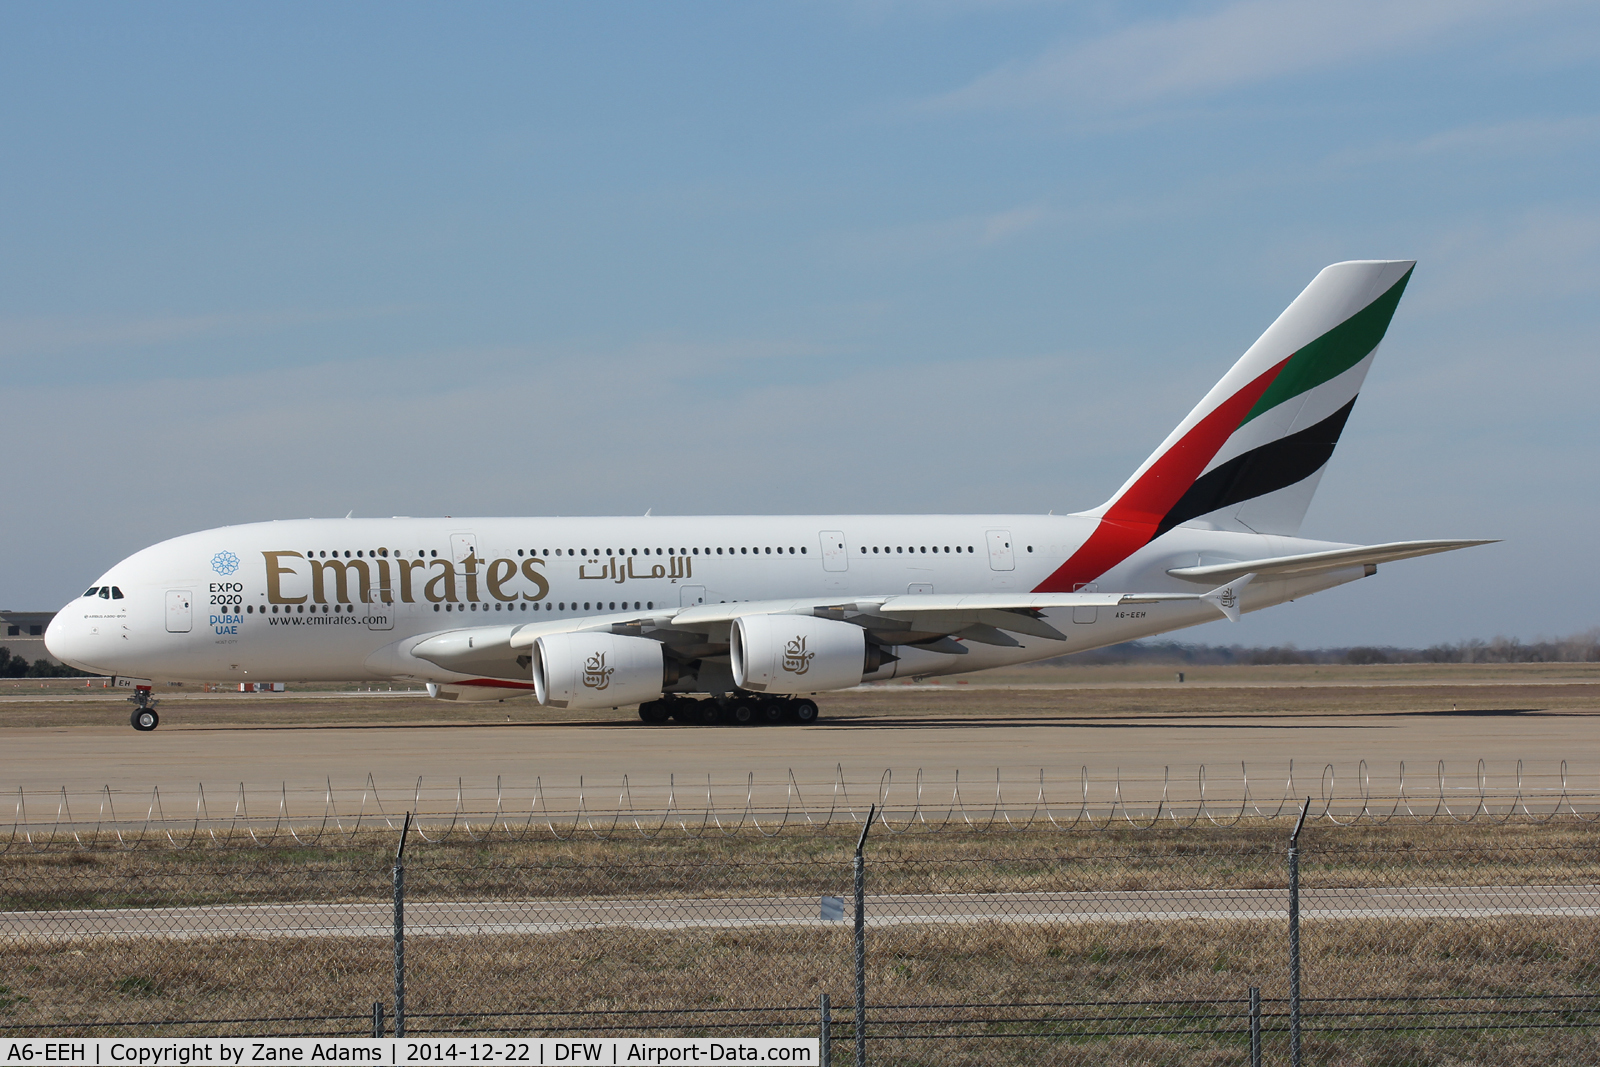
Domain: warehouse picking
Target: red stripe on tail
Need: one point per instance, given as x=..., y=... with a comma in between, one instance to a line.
x=1132, y=519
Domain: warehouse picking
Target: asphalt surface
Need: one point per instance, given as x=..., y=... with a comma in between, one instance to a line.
x=457, y=918
x=344, y=772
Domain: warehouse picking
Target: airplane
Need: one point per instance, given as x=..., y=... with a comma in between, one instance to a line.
x=745, y=619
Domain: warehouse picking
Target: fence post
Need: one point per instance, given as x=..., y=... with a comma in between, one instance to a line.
x=861, y=942
x=1255, y=1026
x=1294, y=937
x=377, y=1018
x=400, y=931
x=825, y=1033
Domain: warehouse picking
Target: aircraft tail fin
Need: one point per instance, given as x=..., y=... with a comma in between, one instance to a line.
x=1250, y=454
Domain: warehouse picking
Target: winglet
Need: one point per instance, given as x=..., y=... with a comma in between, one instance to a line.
x=1225, y=598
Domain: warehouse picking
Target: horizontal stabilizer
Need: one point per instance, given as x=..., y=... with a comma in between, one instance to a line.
x=1226, y=598
x=1309, y=563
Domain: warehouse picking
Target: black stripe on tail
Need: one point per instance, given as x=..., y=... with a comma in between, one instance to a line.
x=1275, y=465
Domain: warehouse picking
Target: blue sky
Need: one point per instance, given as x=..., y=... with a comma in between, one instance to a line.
x=292, y=260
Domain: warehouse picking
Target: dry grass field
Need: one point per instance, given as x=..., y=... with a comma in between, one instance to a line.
x=1101, y=977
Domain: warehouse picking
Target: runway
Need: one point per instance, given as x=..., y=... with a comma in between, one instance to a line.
x=971, y=745
x=464, y=918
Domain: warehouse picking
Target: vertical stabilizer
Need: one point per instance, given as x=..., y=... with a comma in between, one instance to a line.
x=1250, y=454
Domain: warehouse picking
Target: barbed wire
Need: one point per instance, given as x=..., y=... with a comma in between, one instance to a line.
x=919, y=809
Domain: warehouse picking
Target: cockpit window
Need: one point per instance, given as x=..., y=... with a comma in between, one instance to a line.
x=116, y=594
x=105, y=592
x=91, y=591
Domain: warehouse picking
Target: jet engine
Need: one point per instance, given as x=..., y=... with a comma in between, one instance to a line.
x=800, y=654
x=599, y=670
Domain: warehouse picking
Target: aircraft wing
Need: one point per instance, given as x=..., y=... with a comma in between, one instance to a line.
x=1309, y=563
x=938, y=622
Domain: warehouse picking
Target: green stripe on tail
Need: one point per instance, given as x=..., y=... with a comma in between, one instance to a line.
x=1334, y=352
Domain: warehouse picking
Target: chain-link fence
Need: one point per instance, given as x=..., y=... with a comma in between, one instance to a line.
x=1420, y=941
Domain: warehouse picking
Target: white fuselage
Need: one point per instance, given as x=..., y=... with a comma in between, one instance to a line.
x=345, y=599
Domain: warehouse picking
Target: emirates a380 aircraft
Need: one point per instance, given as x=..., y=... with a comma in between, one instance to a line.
x=701, y=619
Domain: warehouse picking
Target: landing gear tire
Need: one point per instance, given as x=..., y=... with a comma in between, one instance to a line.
x=144, y=719
x=654, y=711
x=774, y=711
x=696, y=712
x=744, y=713
x=804, y=712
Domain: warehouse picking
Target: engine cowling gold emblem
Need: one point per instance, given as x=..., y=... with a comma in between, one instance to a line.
x=796, y=660
x=596, y=675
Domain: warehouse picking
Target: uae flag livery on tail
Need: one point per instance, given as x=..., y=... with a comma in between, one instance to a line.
x=1249, y=456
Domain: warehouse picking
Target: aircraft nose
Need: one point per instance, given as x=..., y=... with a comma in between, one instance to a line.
x=68, y=639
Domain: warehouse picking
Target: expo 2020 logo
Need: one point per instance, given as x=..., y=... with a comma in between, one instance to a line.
x=224, y=563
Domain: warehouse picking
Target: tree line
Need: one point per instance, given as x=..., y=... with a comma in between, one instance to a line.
x=1578, y=648
x=19, y=667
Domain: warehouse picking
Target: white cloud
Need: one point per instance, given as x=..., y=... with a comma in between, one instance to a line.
x=1541, y=254
x=964, y=233
x=48, y=336
x=1242, y=43
x=1518, y=137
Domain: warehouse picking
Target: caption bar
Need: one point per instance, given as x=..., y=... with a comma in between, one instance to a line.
x=231, y=1051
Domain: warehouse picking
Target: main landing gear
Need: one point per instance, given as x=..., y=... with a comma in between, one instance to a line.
x=740, y=709
x=144, y=717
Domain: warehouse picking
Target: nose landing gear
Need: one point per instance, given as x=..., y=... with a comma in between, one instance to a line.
x=144, y=717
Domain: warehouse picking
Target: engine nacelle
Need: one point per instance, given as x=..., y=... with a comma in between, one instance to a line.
x=799, y=654
x=599, y=670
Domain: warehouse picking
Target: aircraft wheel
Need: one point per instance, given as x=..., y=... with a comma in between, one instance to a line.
x=144, y=719
x=744, y=714
x=696, y=712
x=805, y=712
x=774, y=711
x=653, y=711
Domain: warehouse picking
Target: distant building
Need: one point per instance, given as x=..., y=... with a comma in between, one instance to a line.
x=23, y=633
